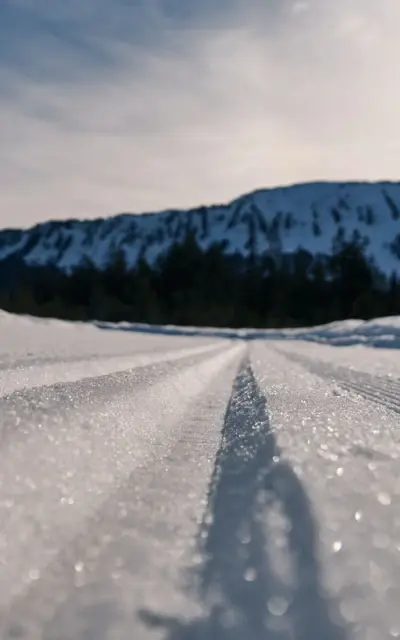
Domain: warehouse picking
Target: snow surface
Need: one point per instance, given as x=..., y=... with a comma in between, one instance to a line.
x=380, y=333
x=198, y=487
x=282, y=218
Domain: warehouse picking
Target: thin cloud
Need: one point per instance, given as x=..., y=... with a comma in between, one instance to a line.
x=177, y=109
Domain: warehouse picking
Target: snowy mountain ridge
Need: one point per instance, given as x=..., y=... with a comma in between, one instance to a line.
x=310, y=216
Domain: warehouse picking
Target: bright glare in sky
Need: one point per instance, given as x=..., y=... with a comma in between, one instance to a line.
x=107, y=106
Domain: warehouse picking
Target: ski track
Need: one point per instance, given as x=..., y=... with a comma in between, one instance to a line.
x=382, y=390
x=198, y=489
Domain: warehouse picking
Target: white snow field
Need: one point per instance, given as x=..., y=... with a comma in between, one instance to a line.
x=195, y=487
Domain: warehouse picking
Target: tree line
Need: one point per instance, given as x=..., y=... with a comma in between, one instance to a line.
x=191, y=286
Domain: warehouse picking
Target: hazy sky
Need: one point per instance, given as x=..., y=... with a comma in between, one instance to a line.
x=138, y=105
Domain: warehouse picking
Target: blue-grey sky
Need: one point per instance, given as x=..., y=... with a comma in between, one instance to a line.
x=139, y=105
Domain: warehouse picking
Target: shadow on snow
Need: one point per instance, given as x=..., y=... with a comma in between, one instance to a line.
x=241, y=594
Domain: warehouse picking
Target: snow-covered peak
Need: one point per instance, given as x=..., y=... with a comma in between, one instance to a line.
x=311, y=216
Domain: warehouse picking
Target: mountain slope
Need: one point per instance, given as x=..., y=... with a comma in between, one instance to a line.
x=310, y=216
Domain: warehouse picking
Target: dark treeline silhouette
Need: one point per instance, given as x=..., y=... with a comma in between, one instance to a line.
x=191, y=286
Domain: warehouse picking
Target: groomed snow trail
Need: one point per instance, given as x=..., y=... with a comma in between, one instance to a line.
x=191, y=488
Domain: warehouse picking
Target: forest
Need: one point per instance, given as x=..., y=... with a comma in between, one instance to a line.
x=191, y=286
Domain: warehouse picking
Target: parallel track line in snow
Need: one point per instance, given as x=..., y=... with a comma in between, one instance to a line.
x=41, y=373
x=121, y=435
x=371, y=393
x=382, y=391
x=222, y=568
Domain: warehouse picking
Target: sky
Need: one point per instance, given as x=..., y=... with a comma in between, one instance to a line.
x=109, y=106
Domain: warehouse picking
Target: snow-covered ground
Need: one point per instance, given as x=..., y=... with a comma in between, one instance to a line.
x=157, y=485
x=382, y=332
